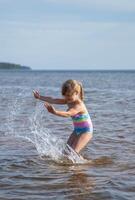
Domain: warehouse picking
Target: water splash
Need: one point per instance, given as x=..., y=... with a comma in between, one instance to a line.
x=28, y=120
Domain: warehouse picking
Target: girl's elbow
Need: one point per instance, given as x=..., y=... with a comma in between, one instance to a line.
x=68, y=114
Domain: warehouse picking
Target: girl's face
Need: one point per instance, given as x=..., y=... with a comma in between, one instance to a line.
x=71, y=98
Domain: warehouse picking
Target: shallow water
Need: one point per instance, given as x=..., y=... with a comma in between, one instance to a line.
x=31, y=139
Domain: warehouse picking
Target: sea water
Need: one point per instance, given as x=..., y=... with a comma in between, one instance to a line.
x=32, y=140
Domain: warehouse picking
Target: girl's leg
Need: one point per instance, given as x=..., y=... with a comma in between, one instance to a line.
x=81, y=141
x=72, y=138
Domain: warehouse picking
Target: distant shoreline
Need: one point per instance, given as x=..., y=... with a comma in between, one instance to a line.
x=12, y=66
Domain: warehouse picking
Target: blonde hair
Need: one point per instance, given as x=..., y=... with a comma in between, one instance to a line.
x=72, y=86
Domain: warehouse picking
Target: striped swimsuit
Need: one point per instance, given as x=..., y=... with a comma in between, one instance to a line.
x=82, y=123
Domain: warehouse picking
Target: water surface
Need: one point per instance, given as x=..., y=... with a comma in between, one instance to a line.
x=26, y=174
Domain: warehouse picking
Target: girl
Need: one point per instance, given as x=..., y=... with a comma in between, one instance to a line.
x=73, y=94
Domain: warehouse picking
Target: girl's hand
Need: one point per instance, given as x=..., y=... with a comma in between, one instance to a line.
x=50, y=108
x=36, y=94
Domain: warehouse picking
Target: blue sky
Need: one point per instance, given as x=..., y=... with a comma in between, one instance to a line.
x=68, y=34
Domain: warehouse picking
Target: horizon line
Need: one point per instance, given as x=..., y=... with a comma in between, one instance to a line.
x=82, y=69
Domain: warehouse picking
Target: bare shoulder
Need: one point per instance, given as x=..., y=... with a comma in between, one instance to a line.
x=82, y=107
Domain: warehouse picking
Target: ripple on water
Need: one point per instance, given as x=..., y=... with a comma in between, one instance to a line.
x=25, y=174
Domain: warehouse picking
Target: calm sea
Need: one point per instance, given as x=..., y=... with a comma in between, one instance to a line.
x=31, y=138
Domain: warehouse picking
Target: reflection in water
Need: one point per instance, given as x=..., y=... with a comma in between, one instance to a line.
x=81, y=185
x=77, y=183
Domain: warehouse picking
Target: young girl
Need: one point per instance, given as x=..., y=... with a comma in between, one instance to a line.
x=73, y=94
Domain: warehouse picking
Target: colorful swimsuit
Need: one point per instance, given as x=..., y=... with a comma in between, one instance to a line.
x=82, y=123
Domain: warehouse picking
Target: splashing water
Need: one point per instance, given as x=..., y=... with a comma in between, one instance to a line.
x=27, y=120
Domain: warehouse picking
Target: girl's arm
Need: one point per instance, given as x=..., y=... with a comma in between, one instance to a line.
x=49, y=99
x=71, y=112
x=52, y=100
